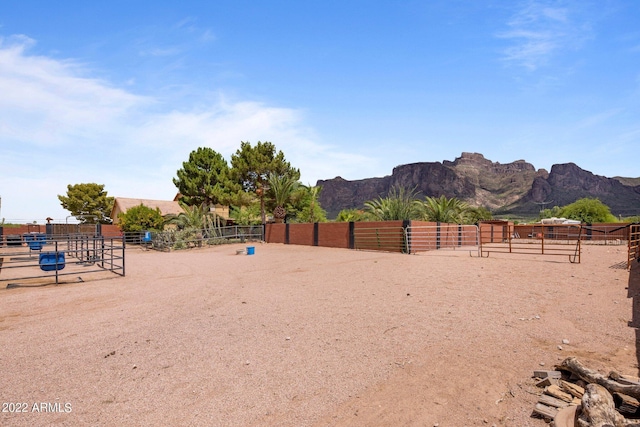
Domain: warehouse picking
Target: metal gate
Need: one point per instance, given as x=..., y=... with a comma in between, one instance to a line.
x=561, y=240
x=442, y=236
x=634, y=244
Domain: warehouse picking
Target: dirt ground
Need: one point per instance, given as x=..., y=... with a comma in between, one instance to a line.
x=307, y=336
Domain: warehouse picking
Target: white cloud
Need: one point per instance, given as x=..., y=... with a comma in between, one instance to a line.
x=60, y=126
x=539, y=31
x=49, y=103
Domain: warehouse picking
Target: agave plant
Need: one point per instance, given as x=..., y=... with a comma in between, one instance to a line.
x=281, y=188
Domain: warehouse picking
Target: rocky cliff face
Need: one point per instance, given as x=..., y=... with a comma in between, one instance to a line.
x=516, y=188
x=567, y=183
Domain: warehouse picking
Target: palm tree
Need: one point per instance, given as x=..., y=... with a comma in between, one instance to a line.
x=400, y=204
x=350, y=215
x=475, y=214
x=443, y=209
x=197, y=217
x=281, y=188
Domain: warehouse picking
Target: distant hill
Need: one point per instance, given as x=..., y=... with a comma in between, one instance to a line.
x=515, y=188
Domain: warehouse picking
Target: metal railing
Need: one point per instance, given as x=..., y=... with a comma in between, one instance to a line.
x=633, y=245
x=563, y=240
x=390, y=239
x=192, y=238
x=28, y=265
x=443, y=236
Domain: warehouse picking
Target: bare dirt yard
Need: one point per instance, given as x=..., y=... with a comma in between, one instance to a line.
x=307, y=336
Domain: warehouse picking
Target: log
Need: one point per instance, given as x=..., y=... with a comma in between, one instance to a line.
x=626, y=404
x=624, y=379
x=598, y=409
x=572, y=365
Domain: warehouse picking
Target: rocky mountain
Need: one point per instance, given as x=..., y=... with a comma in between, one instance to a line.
x=515, y=188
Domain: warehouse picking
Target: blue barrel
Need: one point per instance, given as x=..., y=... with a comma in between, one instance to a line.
x=51, y=261
x=251, y=250
x=147, y=237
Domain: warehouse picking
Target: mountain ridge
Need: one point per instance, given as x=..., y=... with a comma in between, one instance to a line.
x=515, y=188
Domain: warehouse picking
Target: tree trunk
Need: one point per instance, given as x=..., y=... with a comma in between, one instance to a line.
x=572, y=365
x=598, y=409
x=597, y=404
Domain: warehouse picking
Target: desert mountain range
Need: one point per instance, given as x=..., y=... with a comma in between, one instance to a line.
x=515, y=188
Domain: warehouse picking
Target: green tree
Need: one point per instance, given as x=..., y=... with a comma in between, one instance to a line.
x=400, y=204
x=246, y=214
x=350, y=215
x=444, y=209
x=554, y=212
x=204, y=179
x=305, y=206
x=252, y=165
x=588, y=210
x=88, y=202
x=475, y=214
x=140, y=218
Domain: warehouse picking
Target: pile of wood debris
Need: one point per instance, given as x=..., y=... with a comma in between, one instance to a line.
x=574, y=395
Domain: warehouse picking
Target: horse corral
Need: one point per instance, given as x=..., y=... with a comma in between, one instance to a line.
x=40, y=259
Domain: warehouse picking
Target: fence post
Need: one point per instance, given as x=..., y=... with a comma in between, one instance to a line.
x=286, y=233
x=315, y=234
x=438, y=235
x=352, y=239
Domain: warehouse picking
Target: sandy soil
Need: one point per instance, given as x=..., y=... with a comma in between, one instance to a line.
x=304, y=336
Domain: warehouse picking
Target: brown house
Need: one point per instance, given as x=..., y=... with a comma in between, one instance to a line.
x=220, y=210
x=122, y=204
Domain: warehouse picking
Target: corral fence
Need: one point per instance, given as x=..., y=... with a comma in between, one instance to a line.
x=599, y=234
x=389, y=236
x=423, y=238
x=542, y=239
x=633, y=245
x=195, y=238
x=41, y=258
x=390, y=239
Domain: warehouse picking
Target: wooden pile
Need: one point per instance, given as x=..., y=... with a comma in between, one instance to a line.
x=600, y=400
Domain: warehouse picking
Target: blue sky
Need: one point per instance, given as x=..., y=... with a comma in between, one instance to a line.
x=119, y=93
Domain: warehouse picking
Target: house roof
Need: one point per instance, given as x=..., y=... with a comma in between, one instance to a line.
x=122, y=204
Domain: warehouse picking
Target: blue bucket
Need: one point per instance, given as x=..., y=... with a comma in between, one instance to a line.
x=51, y=261
x=251, y=250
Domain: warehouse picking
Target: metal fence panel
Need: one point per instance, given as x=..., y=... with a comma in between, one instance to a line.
x=442, y=236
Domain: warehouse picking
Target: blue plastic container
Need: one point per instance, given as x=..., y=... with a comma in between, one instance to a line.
x=51, y=261
x=35, y=241
x=251, y=250
x=147, y=237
